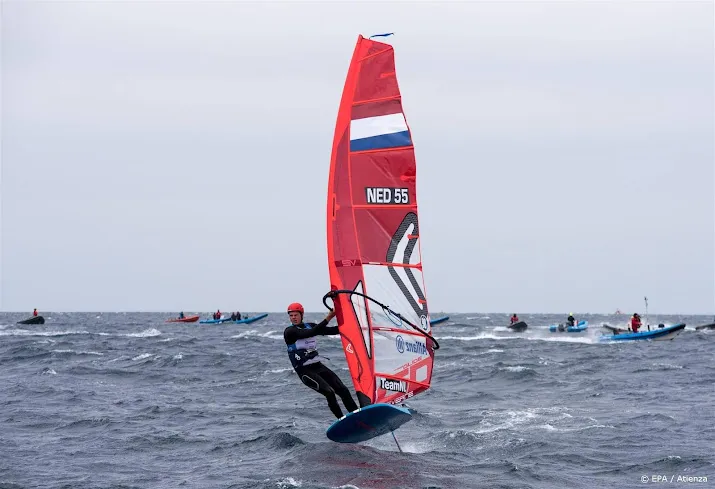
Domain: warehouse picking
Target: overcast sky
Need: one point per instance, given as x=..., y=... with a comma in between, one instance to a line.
x=174, y=155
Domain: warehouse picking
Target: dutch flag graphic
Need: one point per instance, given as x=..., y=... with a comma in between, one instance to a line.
x=380, y=132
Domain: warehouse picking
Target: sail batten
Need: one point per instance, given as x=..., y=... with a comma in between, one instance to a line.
x=354, y=262
x=359, y=103
x=364, y=151
x=378, y=53
x=374, y=255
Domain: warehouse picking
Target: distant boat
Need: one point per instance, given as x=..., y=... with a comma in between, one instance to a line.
x=578, y=328
x=705, y=326
x=187, y=319
x=614, y=329
x=33, y=320
x=249, y=319
x=661, y=333
x=439, y=320
x=518, y=327
x=215, y=321
x=233, y=321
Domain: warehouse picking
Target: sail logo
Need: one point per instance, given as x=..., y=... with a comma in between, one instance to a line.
x=393, y=385
x=416, y=347
x=400, y=344
x=402, y=245
x=387, y=195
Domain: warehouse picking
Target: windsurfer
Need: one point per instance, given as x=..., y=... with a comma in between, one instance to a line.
x=301, y=343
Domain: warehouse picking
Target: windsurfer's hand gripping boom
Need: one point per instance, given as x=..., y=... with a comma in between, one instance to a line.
x=332, y=295
x=388, y=312
x=322, y=327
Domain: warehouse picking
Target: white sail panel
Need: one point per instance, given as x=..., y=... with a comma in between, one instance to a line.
x=381, y=284
x=404, y=355
x=359, y=306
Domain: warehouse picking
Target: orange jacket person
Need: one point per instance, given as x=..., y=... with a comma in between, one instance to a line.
x=635, y=322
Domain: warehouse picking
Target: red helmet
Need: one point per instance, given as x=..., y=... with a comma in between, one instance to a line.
x=296, y=307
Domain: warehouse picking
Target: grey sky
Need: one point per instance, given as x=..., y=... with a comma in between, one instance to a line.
x=174, y=155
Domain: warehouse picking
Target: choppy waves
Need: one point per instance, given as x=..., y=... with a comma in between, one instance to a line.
x=126, y=400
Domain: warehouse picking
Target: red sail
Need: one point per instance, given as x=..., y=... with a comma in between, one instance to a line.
x=373, y=234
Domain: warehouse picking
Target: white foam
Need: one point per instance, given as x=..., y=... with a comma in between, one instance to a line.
x=78, y=352
x=517, y=368
x=147, y=333
x=549, y=427
x=289, y=482
x=25, y=332
x=572, y=338
x=253, y=333
x=667, y=366
x=505, y=420
x=483, y=336
x=566, y=339
x=279, y=370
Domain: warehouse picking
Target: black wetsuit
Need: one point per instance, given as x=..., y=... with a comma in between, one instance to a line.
x=306, y=362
